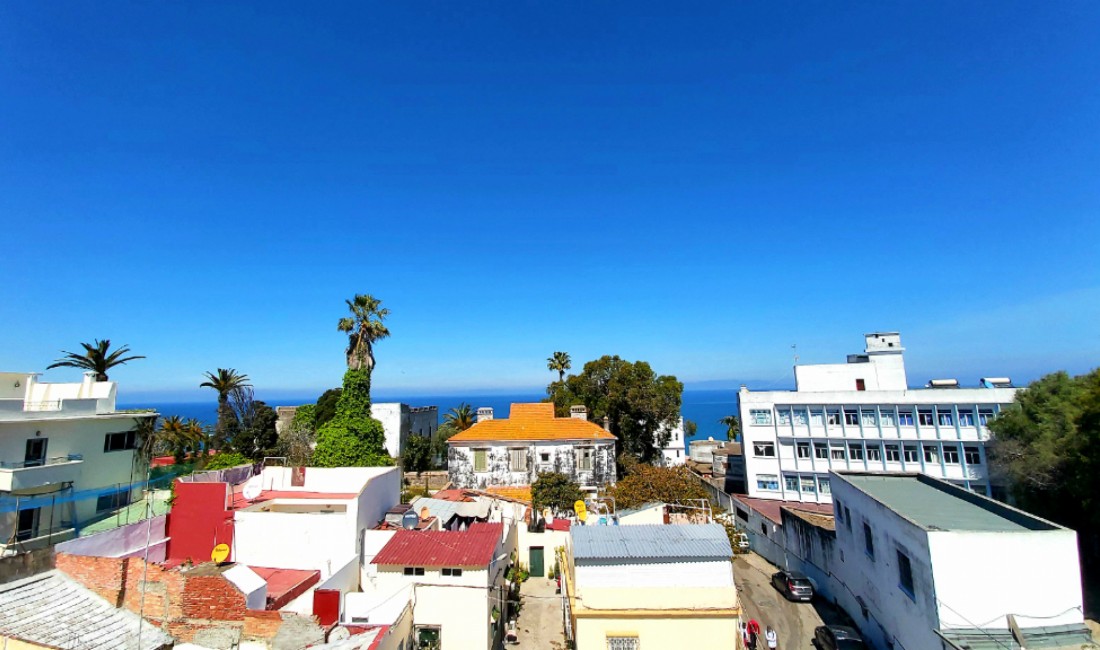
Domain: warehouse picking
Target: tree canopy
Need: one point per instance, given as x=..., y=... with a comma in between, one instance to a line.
x=646, y=483
x=352, y=438
x=556, y=491
x=96, y=358
x=224, y=381
x=733, y=426
x=640, y=406
x=1047, y=446
x=363, y=328
x=418, y=454
x=559, y=362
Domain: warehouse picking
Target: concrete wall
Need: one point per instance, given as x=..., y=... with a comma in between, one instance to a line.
x=552, y=456
x=463, y=615
x=294, y=540
x=400, y=421
x=592, y=633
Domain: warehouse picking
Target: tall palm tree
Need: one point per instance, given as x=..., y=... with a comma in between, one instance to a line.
x=225, y=381
x=460, y=418
x=363, y=328
x=179, y=437
x=560, y=362
x=733, y=426
x=95, y=357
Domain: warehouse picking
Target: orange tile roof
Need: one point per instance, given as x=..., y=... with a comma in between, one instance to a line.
x=516, y=492
x=533, y=422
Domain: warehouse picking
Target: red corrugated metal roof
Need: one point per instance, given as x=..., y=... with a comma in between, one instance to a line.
x=441, y=548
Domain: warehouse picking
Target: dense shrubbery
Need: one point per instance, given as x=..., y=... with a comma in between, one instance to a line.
x=352, y=438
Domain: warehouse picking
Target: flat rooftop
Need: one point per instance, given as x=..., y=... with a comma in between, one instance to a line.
x=939, y=506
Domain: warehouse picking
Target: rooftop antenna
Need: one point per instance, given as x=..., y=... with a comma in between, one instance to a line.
x=794, y=346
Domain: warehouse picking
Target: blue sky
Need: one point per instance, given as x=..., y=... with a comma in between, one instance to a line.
x=699, y=185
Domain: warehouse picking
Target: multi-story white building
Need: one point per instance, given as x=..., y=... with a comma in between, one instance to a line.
x=862, y=416
x=674, y=451
x=66, y=456
x=401, y=421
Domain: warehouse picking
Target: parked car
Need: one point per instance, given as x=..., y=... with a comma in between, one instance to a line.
x=837, y=637
x=794, y=586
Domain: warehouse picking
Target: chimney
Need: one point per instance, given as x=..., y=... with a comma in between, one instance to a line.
x=606, y=423
x=484, y=414
x=86, y=385
x=579, y=412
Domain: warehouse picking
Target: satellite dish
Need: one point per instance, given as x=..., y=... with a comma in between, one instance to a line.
x=253, y=488
x=424, y=512
x=409, y=520
x=220, y=553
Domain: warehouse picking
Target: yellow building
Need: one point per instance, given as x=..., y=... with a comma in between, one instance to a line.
x=650, y=586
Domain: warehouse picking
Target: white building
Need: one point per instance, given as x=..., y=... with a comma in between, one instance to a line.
x=66, y=456
x=401, y=421
x=513, y=451
x=925, y=564
x=674, y=451
x=862, y=416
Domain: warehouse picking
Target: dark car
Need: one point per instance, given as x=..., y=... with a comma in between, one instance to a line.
x=794, y=586
x=837, y=637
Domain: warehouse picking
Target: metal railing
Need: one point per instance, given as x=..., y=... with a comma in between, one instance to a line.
x=46, y=405
x=42, y=462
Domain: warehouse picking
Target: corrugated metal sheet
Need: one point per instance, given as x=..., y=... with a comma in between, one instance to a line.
x=52, y=610
x=592, y=544
x=442, y=548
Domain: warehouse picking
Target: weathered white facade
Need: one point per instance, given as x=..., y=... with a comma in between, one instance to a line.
x=401, y=421
x=917, y=559
x=66, y=456
x=862, y=416
x=674, y=451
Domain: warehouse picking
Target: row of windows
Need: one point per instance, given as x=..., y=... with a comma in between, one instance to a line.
x=873, y=452
x=419, y=571
x=904, y=416
x=517, y=459
x=119, y=441
x=905, y=566
x=806, y=484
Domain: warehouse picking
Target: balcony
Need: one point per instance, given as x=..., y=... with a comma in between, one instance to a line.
x=15, y=477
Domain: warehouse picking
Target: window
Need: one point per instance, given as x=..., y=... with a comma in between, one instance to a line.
x=799, y=417
x=887, y=418
x=905, y=575
x=837, y=453
x=517, y=460
x=951, y=454
x=931, y=454
x=112, y=501
x=743, y=515
x=414, y=570
x=848, y=519
x=809, y=486
x=784, y=416
x=839, y=510
x=832, y=417
x=802, y=449
x=869, y=418
x=120, y=441
x=984, y=416
x=763, y=449
x=973, y=455
x=767, y=482
x=760, y=416
x=874, y=452
x=817, y=418
x=26, y=525
x=911, y=454
x=544, y=457
x=893, y=454
x=966, y=418
x=905, y=417
x=36, y=452
x=452, y=572
x=855, y=450
x=851, y=417
x=861, y=385
x=622, y=643
x=790, y=483
x=584, y=459
x=823, y=485
x=868, y=541
x=924, y=416
x=946, y=416
x=821, y=450
x=481, y=460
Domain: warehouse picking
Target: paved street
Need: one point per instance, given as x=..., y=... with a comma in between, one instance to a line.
x=540, y=620
x=793, y=622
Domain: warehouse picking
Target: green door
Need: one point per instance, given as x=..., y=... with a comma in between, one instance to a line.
x=537, y=561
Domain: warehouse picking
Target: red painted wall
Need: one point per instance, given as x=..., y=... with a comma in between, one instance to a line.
x=326, y=605
x=199, y=521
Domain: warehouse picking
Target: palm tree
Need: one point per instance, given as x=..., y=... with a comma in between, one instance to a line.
x=225, y=381
x=179, y=437
x=95, y=358
x=460, y=418
x=561, y=362
x=733, y=426
x=363, y=328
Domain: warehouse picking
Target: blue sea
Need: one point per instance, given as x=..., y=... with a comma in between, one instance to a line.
x=704, y=407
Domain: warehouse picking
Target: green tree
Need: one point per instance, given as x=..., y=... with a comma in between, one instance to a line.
x=296, y=440
x=556, y=491
x=690, y=428
x=326, y=407
x=439, y=444
x=364, y=327
x=227, y=459
x=733, y=426
x=178, y=438
x=459, y=418
x=641, y=407
x=255, y=436
x=96, y=357
x=224, y=381
x=646, y=484
x=559, y=362
x=1046, y=446
x=418, y=454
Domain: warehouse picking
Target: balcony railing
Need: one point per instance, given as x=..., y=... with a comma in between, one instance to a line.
x=27, y=475
x=53, y=460
x=47, y=405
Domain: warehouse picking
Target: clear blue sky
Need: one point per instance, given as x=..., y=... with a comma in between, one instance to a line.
x=699, y=185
